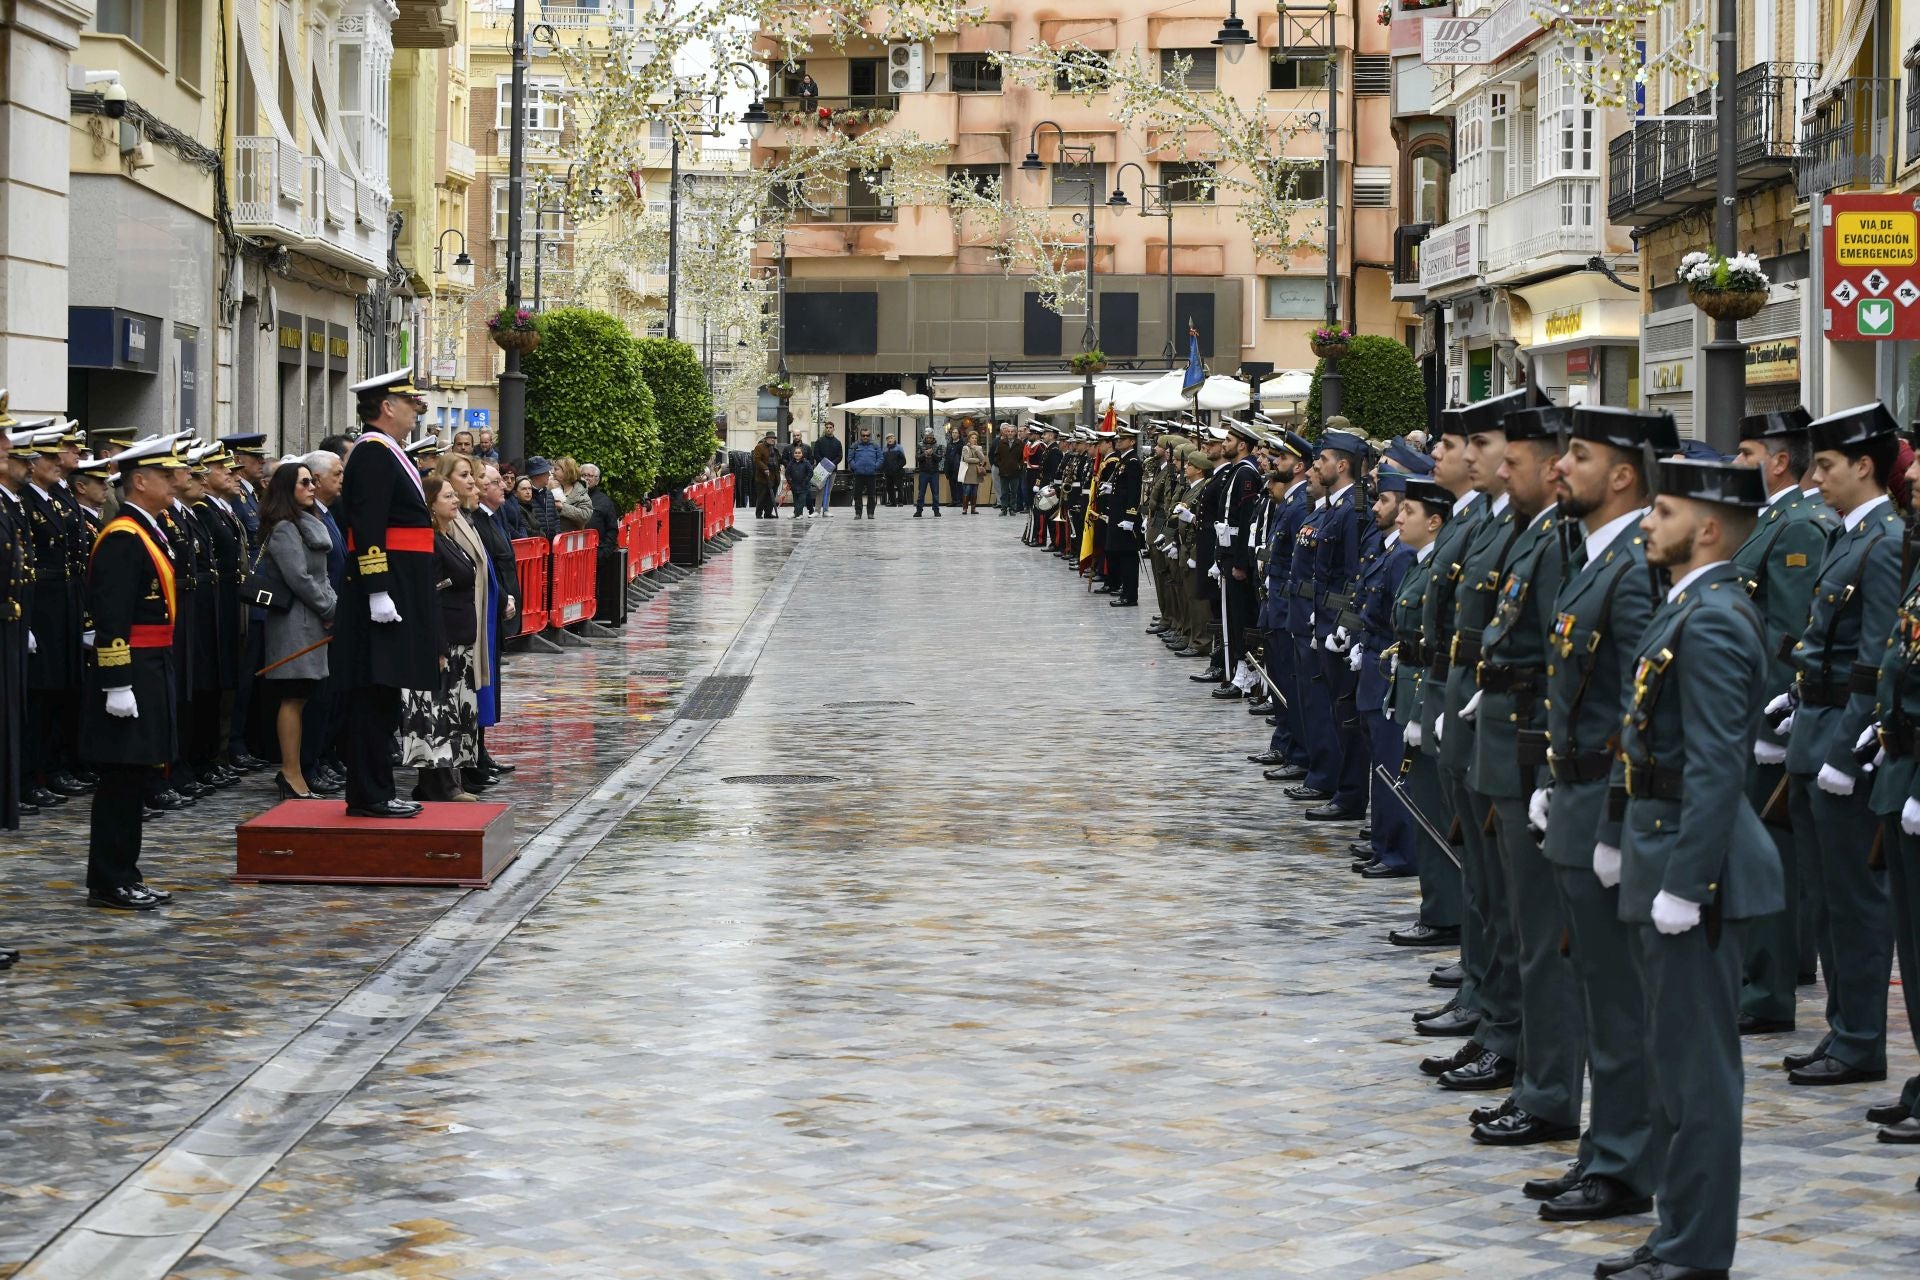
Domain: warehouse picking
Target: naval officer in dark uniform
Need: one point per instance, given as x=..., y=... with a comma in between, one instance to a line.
x=388, y=635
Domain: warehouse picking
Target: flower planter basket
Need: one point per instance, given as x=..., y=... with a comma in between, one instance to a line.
x=1092, y=366
x=1328, y=349
x=1728, y=304
x=521, y=340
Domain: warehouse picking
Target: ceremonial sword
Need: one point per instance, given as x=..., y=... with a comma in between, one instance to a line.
x=1393, y=784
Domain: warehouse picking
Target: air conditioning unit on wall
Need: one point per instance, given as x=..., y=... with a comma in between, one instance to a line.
x=906, y=68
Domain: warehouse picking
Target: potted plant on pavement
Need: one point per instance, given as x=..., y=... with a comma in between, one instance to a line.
x=1725, y=288
x=514, y=330
x=1331, y=342
x=1094, y=361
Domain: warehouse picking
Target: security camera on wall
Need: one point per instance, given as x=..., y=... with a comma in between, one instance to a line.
x=103, y=84
x=114, y=98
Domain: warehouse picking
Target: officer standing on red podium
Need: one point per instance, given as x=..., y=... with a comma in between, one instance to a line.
x=129, y=711
x=389, y=622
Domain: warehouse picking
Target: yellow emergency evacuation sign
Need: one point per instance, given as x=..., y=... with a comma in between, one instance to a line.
x=1870, y=254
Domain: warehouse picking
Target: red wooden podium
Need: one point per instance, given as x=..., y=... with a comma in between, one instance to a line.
x=315, y=842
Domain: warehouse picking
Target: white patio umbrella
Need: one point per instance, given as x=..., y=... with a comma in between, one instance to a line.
x=1218, y=394
x=1106, y=391
x=884, y=405
x=1289, y=386
x=978, y=404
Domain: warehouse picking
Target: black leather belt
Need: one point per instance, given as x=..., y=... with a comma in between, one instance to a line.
x=1466, y=651
x=1863, y=677
x=1823, y=693
x=1413, y=653
x=1303, y=589
x=1582, y=766
x=1338, y=601
x=1645, y=781
x=1501, y=679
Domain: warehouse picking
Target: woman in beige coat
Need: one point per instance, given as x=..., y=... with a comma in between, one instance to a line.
x=570, y=494
x=973, y=469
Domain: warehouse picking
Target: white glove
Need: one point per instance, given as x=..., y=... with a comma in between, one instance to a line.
x=1869, y=734
x=33, y=646
x=1310, y=618
x=1786, y=727
x=1673, y=915
x=1538, y=806
x=1213, y=571
x=1606, y=865
x=1833, y=782
x=380, y=608
x=120, y=703
x=1186, y=516
x=1107, y=488
x=1338, y=641
x=1440, y=727
x=1386, y=709
x=86, y=639
x=1910, y=817
x=1779, y=704
x=1126, y=525
x=1768, y=753
x=1412, y=735
x=1191, y=564
x=1472, y=708
x=1393, y=664
x=1355, y=656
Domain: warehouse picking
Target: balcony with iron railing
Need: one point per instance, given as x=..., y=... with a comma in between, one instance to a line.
x=1406, y=258
x=1848, y=136
x=561, y=15
x=1561, y=216
x=1660, y=168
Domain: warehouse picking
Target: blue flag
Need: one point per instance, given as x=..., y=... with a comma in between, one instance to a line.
x=1195, y=374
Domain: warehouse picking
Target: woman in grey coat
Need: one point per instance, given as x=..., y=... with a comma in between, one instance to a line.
x=295, y=542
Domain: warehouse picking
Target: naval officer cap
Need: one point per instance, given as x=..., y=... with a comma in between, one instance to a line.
x=394, y=382
x=1392, y=481
x=150, y=451
x=1215, y=433
x=1341, y=440
x=251, y=443
x=1777, y=424
x=1244, y=430
x=1631, y=429
x=1724, y=483
x=1126, y=429
x=1852, y=428
x=1297, y=445
x=95, y=468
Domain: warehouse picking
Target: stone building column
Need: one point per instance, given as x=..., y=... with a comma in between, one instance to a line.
x=37, y=39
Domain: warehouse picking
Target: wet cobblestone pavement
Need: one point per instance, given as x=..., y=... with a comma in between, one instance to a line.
x=1039, y=981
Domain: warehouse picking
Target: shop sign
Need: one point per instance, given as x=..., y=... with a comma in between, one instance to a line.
x=1671, y=376
x=1870, y=250
x=1450, y=253
x=1484, y=38
x=1579, y=361
x=337, y=348
x=1773, y=360
x=291, y=327
x=1564, y=323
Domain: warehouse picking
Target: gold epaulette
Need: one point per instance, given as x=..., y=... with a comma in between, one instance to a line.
x=117, y=654
x=373, y=561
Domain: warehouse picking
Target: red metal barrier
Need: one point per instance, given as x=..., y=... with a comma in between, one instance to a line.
x=729, y=512
x=630, y=540
x=574, y=557
x=658, y=545
x=530, y=565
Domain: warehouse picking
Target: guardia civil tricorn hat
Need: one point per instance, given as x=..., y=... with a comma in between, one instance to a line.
x=1850, y=428
x=1776, y=425
x=1724, y=483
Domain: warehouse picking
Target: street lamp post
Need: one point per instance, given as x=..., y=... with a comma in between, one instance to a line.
x=1725, y=355
x=513, y=383
x=1156, y=201
x=1081, y=157
x=756, y=119
x=1309, y=17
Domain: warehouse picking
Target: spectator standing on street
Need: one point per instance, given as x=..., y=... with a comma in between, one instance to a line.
x=893, y=471
x=927, y=466
x=543, y=519
x=463, y=442
x=865, y=463
x=575, y=507
x=502, y=510
x=800, y=480
x=485, y=450
x=523, y=502
x=950, y=460
x=973, y=469
x=1009, y=465
x=766, y=478
x=605, y=519
x=827, y=449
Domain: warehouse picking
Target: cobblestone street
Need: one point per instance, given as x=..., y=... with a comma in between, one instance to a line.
x=966, y=945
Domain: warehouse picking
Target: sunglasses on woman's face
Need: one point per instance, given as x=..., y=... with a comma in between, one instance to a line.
x=305, y=482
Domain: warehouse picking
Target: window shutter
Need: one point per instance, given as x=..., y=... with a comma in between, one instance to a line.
x=1372, y=187
x=1372, y=75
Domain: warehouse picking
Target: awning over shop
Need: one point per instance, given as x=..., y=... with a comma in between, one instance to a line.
x=1580, y=309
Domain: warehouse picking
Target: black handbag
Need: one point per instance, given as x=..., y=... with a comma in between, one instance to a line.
x=266, y=589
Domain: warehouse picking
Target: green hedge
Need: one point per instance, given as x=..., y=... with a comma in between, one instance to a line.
x=682, y=405
x=1381, y=391
x=588, y=399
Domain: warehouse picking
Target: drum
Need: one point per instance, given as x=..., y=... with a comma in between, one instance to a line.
x=1046, y=499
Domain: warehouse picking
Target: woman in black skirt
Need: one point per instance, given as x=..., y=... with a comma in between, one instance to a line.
x=440, y=728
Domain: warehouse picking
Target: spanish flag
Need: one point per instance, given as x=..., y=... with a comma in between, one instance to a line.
x=1093, y=498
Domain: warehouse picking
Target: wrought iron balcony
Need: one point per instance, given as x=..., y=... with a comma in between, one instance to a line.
x=1406, y=254
x=805, y=214
x=1663, y=167
x=1847, y=136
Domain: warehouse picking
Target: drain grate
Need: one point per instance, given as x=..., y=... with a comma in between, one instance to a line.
x=780, y=779
x=870, y=702
x=714, y=698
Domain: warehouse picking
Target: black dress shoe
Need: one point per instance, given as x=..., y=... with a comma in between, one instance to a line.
x=1520, y=1128
x=1456, y=1022
x=247, y=762
x=150, y=815
x=1548, y=1188
x=1488, y=1071
x=1887, y=1113
x=1331, y=813
x=1425, y=935
x=477, y=780
x=384, y=809
x=1484, y=1115
x=168, y=801
x=1286, y=773
x=1428, y=1015
x=1381, y=871
x=1360, y=868
x=1833, y=1071
x=1795, y=1061
x=1308, y=793
x=1616, y=1263
x=1361, y=849
x=1228, y=693
x=1212, y=674
x=1594, y=1198
x=325, y=784
x=1190, y=652
x=1752, y=1026
x=1155, y=627
x=67, y=785
x=129, y=897
x=28, y=809
x=158, y=895
x=1261, y=708
x=1906, y=1133
x=42, y=797
x=1123, y=604
x=1447, y=976
x=1366, y=833
x=1654, y=1269
x=1267, y=757
x=1440, y=1064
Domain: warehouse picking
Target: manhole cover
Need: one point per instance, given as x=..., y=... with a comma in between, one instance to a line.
x=781, y=779
x=870, y=702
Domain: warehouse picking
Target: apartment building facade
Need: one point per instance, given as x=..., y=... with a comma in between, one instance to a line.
x=877, y=294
